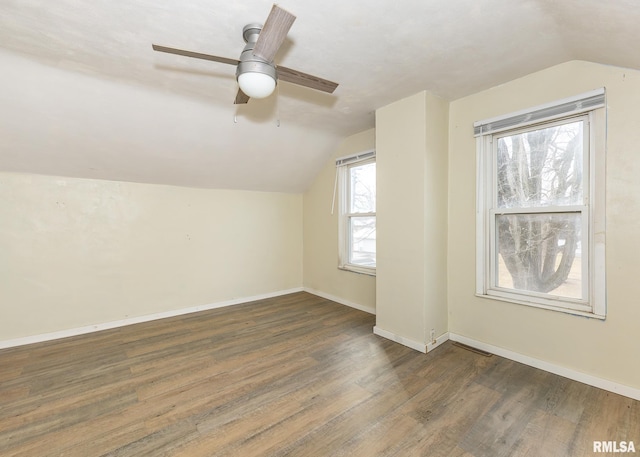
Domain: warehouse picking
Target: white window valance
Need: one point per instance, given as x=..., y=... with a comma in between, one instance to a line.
x=561, y=108
x=346, y=160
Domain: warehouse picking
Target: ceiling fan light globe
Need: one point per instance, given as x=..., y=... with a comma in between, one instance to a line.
x=256, y=85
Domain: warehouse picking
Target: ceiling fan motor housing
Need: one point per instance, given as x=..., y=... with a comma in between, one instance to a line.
x=248, y=61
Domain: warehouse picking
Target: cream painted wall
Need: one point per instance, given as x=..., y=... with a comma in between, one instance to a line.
x=78, y=252
x=606, y=349
x=436, y=214
x=321, y=271
x=400, y=141
x=411, y=142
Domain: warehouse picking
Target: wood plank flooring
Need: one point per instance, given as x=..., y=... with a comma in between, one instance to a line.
x=296, y=375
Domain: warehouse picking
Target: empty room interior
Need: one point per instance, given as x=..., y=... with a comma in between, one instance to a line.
x=194, y=260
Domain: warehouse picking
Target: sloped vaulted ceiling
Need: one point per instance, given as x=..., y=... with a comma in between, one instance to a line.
x=83, y=94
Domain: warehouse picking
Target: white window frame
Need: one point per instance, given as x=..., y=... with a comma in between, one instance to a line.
x=589, y=107
x=343, y=165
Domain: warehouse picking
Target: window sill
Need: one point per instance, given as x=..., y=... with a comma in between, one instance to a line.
x=357, y=269
x=543, y=306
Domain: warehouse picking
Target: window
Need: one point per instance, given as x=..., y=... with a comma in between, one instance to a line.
x=356, y=177
x=540, y=205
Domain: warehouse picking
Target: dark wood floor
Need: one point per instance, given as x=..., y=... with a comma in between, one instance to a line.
x=294, y=375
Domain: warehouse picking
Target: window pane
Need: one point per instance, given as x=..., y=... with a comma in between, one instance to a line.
x=540, y=253
x=541, y=167
x=362, y=179
x=363, y=241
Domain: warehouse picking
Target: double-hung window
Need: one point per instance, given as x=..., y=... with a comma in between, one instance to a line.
x=540, y=206
x=356, y=178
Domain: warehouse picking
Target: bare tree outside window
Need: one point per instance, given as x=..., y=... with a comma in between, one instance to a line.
x=540, y=251
x=540, y=220
x=362, y=226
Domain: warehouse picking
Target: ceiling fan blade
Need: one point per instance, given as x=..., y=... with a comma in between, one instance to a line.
x=303, y=79
x=273, y=33
x=196, y=55
x=241, y=98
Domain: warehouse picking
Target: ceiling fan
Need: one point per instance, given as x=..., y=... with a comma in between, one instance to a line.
x=256, y=72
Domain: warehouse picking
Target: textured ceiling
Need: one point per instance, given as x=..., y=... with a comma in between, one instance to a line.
x=84, y=95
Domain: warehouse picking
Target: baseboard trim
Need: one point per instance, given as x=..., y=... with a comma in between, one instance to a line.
x=424, y=348
x=591, y=380
x=138, y=320
x=342, y=301
x=400, y=339
x=439, y=340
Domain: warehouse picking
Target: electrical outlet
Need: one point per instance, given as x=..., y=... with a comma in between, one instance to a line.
x=433, y=335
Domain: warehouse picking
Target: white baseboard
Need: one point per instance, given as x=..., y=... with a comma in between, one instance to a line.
x=594, y=381
x=137, y=320
x=342, y=301
x=400, y=339
x=413, y=344
x=439, y=340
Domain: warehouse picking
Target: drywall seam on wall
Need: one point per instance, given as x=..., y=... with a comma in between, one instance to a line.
x=138, y=320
